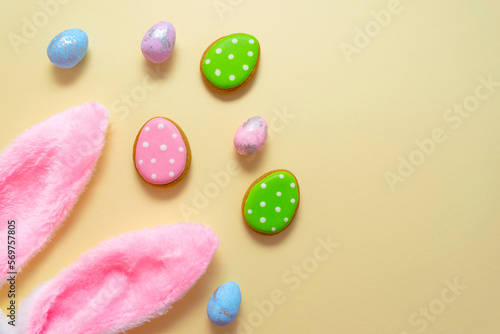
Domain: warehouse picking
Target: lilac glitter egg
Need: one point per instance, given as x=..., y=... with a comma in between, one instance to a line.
x=158, y=43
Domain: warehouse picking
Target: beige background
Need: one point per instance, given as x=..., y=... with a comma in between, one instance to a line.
x=339, y=122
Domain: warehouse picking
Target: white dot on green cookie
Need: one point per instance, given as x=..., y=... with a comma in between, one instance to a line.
x=250, y=53
x=207, y=61
x=153, y=176
x=234, y=41
x=278, y=194
x=282, y=176
x=292, y=185
x=278, y=209
x=251, y=41
x=245, y=67
x=231, y=77
x=286, y=220
x=171, y=174
x=140, y=162
x=263, y=220
x=231, y=56
x=153, y=160
x=218, y=51
x=263, y=186
x=174, y=135
x=273, y=229
x=217, y=72
x=163, y=147
x=262, y=204
x=249, y=212
x=292, y=200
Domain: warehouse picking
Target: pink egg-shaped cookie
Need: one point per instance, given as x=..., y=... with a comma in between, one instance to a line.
x=162, y=155
x=251, y=136
x=158, y=43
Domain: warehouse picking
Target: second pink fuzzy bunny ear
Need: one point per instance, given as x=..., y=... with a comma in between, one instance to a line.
x=122, y=283
x=42, y=173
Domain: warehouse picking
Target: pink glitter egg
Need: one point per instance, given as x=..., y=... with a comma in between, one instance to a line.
x=251, y=136
x=158, y=43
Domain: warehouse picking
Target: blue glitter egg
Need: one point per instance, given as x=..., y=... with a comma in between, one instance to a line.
x=68, y=48
x=224, y=304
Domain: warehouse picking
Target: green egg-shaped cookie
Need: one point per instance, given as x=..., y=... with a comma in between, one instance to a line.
x=230, y=62
x=271, y=202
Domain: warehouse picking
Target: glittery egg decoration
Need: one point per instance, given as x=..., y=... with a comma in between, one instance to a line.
x=251, y=136
x=158, y=43
x=68, y=48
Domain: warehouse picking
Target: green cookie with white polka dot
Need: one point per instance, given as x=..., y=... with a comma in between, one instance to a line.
x=230, y=62
x=271, y=202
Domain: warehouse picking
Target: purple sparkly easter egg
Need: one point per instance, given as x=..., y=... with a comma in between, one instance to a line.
x=158, y=43
x=251, y=136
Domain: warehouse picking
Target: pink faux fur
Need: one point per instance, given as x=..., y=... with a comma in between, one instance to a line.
x=43, y=172
x=121, y=283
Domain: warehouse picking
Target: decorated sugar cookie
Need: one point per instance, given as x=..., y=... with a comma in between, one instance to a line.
x=162, y=155
x=271, y=202
x=230, y=62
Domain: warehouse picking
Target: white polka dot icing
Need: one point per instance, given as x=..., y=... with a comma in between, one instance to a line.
x=230, y=61
x=270, y=203
x=162, y=154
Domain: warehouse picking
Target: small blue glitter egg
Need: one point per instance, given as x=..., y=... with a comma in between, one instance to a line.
x=68, y=48
x=224, y=304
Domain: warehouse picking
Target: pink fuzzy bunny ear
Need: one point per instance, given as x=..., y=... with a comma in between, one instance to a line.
x=121, y=283
x=42, y=173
